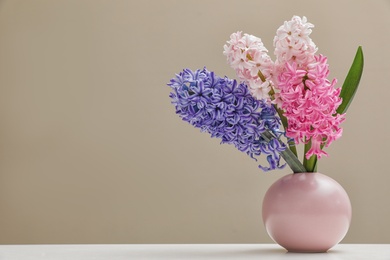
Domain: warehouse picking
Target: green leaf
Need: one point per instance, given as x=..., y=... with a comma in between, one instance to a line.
x=351, y=82
x=290, y=158
x=292, y=161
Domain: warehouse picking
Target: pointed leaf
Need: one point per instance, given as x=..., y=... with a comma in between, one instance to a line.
x=351, y=82
x=290, y=158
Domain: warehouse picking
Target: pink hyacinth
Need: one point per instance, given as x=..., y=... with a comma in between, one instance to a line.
x=293, y=44
x=309, y=101
x=247, y=55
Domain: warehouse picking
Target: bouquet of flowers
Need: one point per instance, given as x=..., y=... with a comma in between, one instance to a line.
x=276, y=105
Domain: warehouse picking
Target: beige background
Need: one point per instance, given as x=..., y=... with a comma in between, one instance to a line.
x=91, y=150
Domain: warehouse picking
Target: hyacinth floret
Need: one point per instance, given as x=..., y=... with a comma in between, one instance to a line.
x=225, y=109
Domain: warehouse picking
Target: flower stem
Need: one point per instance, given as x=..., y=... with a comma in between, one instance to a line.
x=290, y=158
x=311, y=163
x=290, y=155
x=292, y=147
x=285, y=124
x=261, y=76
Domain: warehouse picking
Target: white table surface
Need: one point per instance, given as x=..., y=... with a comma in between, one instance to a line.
x=187, y=251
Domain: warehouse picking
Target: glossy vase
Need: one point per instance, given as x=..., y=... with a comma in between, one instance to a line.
x=306, y=212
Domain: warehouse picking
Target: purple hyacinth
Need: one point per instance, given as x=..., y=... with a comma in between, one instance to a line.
x=226, y=110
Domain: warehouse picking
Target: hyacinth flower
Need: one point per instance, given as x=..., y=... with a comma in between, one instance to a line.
x=247, y=55
x=292, y=43
x=308, y=104
x=225, y=109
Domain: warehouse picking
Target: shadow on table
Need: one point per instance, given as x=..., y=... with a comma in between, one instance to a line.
x=280, y=253
x=218, y=252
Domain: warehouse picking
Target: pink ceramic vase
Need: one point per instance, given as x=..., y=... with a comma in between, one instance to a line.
x=306, y=212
